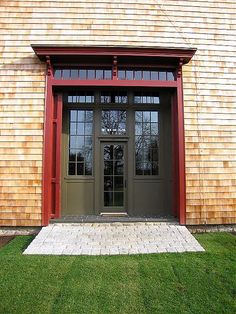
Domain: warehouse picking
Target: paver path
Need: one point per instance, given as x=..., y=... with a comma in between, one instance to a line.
x=113, y=238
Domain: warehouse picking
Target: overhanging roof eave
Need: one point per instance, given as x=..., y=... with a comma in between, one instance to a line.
x=42, y=51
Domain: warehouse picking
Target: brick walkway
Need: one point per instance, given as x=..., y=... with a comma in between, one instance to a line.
x=113, y=238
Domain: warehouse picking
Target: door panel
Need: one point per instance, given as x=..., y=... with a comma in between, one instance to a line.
x=78, y=179
x=113, y=157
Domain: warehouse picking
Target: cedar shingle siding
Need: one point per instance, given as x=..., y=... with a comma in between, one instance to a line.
x=209, y=91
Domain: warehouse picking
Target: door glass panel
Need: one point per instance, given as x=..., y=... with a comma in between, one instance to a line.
x=113, y=178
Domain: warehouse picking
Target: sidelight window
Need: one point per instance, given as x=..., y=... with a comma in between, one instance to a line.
x=146, y=142
x=80, y=142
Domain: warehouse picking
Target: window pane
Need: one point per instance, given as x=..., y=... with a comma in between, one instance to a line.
x=146, y=142
x=118, y=183
x=57, y=74
x=118, y=199
x=88, y=128
x=91, y=74
x=121, y=75
x=73, y=115
x=146, y=98
x=129, y=75
x=118, y=167
x=99, y=74
x=170, y=76
x=137, y=75
x=74, y=74
x=80, y=144
x=80, y=156
x=71, y=170
x=162, y=76
x=80, y=129
x=80, y=168
x=82, y=74
x=65, y=74
x=107, y=74
x=154, y=75
x=108, y=198
x=72, y=155
x=113, y=122
x=73, y=128
x=88, y=169
x=108, y=167
x=146, y=75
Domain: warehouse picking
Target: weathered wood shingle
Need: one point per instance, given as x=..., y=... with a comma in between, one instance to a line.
x=209, y=91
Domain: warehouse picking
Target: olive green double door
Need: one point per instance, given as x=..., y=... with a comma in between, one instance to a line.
x=105, y=191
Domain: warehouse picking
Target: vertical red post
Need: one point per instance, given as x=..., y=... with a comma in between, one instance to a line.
x=181, y=184
x=47, y=152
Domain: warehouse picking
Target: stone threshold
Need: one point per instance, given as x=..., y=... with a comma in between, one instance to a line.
x=108, y=219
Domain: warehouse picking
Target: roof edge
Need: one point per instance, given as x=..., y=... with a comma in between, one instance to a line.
x=42, y=51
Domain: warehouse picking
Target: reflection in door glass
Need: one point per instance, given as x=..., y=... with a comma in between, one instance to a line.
x=113, y=165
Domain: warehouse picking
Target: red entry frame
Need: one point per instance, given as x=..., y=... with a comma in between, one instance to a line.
x=51, y=193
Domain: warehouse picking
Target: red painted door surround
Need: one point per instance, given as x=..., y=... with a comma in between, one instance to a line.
x=139, y=57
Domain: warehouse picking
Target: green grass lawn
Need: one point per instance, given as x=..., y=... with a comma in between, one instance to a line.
x=156, y=283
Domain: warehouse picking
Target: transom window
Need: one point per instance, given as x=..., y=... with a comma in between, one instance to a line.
x=83, y=73
x=146, y=74
x=108, y=97
x=146, y=98
x=80, y=98
x=106, y=73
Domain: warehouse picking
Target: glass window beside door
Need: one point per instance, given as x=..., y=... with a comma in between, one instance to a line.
x=146, y=143
x=80, y=143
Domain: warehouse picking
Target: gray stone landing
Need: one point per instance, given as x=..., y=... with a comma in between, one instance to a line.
x=113, y=239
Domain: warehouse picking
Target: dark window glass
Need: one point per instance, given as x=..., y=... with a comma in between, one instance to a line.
x=113, y=175
x=80, y=142
x=146, y=142
x=146, y=98
x=114, y=98
x=87, y=97
x=113, y=122
x=106, y=74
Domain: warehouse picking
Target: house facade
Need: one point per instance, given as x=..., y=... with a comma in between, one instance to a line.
x=117, y=108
